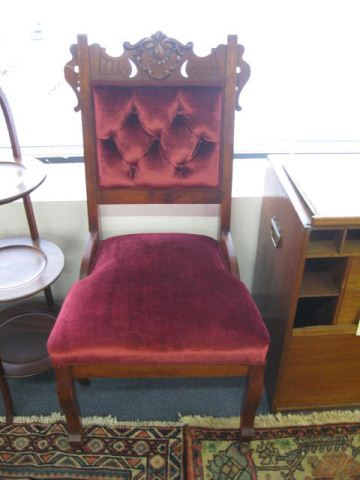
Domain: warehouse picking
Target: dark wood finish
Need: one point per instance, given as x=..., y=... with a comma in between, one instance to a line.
x=227, y=245
x=89, y=252
x=5, y=107
x=228, y=132
x=27, y=266
x=159, y=61
x=308, y=292
x=155, y=371
x=4, y=389
x=69, y=405
x=278, y=272
x=252, y=397
x=24, y=328
x=153, y=60
x=19, y=178
x=173, y=195
x=29, y=211
x=89, y=135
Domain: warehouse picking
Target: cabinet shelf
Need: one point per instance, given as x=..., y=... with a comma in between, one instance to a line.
x=318, y=284
x=324, y=248
x=315, y=311
x=352, y=242
x=323, y=277
x=324, y=243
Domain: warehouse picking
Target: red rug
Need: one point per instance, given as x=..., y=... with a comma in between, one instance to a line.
x=41, y=451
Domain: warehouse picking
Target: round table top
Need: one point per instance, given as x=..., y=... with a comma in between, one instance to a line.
x=17, y=179
x=27, y=266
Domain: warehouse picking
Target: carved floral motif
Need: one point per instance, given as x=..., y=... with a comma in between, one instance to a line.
x=158, y=55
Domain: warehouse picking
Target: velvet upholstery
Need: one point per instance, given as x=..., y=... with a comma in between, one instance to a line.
x=157, y=137
x=158, y=299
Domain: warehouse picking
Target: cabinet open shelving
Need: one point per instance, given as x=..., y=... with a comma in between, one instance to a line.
x=324, y=243
x=315, y=311
x=352, y=242
x=330, y=243
x=323, y=277
x=321, y=288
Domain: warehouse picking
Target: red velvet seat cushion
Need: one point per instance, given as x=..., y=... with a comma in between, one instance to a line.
x=157, y=137
x=156, y=299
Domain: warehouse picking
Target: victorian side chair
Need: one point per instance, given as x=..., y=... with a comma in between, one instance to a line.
x=158, y=127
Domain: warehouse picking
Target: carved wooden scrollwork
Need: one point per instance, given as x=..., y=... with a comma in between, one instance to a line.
x=242, y=75
x=158, y=55
x=72, y=75
x=110, y=66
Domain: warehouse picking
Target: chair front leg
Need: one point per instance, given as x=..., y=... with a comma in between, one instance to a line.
x=251, y=401
x=69, y=405
x=4, y=388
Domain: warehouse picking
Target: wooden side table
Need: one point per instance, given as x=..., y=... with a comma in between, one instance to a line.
x=28, y=265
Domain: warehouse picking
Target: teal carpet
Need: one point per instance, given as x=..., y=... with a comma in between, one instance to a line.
x=134, y=399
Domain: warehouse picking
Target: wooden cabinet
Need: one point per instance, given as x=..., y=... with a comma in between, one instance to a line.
x=307, y=280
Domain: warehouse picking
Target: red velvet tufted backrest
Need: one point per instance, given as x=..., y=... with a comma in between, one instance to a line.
x=158, y=137
x=158, y=121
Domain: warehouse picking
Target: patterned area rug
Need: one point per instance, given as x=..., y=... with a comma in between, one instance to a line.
x=41, y=451
x=37, y=449
x=292, y=453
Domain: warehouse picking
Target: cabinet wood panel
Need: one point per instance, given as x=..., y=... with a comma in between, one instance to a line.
x=278, y=271
x=322, y=369
x=349, y=311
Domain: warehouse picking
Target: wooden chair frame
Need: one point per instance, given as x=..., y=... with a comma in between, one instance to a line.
x=225, y=68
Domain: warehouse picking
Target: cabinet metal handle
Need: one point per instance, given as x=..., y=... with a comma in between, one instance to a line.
x=275, y=232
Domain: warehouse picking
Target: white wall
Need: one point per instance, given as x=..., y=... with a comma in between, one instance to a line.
x=60, y=210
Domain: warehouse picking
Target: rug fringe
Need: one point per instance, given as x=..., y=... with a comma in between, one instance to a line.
x=261, y=421
x=108, y=421
x=277, y=419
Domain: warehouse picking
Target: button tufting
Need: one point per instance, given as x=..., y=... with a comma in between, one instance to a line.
x=180, y=116
x=181, y=170
x=162, y=139
x=132, y=171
